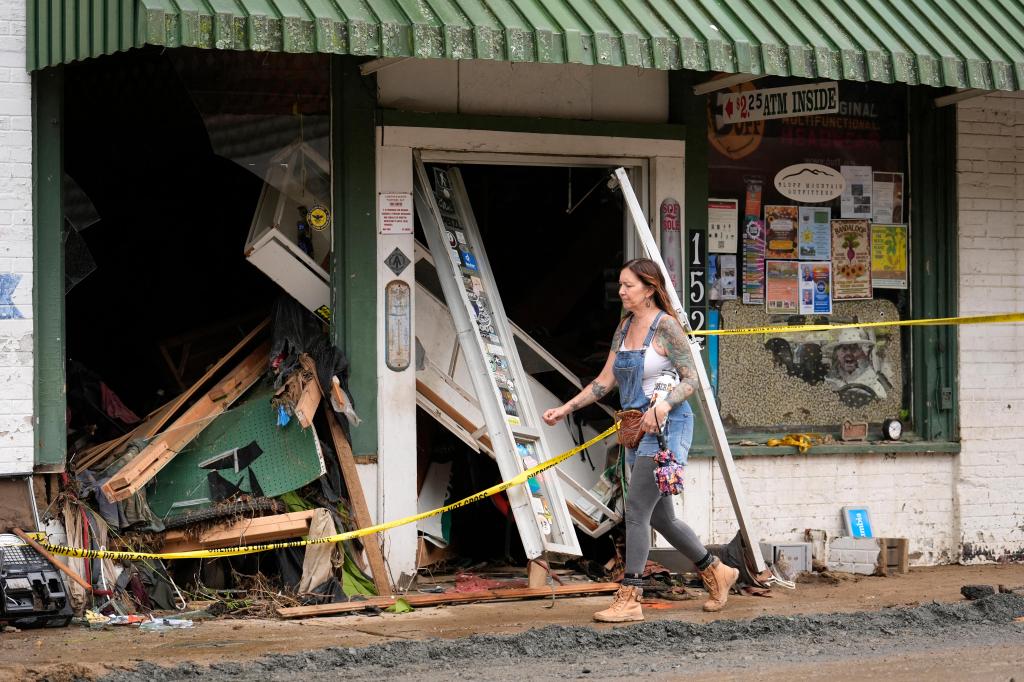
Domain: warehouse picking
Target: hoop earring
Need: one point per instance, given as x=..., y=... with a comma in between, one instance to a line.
x=647, y=303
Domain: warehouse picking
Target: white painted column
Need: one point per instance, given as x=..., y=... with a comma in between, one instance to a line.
x=16, y=312
x=396, y=390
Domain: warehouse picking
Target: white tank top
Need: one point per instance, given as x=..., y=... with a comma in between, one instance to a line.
x=654, y=364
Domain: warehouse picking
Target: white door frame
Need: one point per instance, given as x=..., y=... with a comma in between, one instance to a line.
x=658, y=168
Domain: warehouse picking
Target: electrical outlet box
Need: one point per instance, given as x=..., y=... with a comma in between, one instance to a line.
x=797, y=554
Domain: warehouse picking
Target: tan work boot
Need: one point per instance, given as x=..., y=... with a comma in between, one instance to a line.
x=625, y=608
x=718, y=580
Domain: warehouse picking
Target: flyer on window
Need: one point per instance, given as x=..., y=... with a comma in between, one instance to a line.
x=889, y=256
x=856, y=197
x=887, y=198
x=723, y=225
x=815, y=233
x=816, y=288
x=780, y=224
x=753, y=262
x=780, y=284
x=722, y=277
x=851, y=260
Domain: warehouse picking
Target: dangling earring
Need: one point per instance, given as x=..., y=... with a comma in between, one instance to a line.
x=647, y=302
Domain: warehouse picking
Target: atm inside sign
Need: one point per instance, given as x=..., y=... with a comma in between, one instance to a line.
x=758, y=105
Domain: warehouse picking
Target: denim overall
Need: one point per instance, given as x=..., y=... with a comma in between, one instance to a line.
x=629, y=374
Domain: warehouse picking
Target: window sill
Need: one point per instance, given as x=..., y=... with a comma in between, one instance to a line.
x=856, y=448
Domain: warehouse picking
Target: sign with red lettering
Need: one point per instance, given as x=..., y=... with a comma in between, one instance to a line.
x=760, y=105
x=395, y=213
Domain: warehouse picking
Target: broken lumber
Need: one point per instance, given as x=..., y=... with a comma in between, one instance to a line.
x=420, y=600
x=253, y=531
x=309, y=400
x=52, y=559
x=156, y=419
x=164, y=447
x=360, y=512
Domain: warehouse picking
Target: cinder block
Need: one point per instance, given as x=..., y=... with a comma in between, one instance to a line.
x=856, y=555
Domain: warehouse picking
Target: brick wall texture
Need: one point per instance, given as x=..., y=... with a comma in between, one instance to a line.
x=16, y=432
x=990, y=469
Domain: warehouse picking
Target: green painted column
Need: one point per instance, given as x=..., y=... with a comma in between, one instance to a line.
x=691, y=110
x=933, y=263
x=354, y=259
x=48, y=268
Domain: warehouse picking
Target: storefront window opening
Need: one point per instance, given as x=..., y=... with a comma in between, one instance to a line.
x=812, y=216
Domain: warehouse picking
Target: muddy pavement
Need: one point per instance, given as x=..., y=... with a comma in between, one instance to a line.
x=670, y=649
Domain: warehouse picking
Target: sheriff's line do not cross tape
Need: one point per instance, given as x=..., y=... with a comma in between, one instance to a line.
x=340, y=537
x=927, y=322
x=521, y=478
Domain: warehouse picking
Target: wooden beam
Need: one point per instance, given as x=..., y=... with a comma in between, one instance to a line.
x=243, y=532
x=360, y=512
x=422, y=600
x=164, y=447
x=52, y=559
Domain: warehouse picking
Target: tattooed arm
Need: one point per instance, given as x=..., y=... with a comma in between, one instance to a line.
x=593, y=392
x=671, y=339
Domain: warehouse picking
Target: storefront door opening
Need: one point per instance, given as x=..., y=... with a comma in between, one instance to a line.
x=554, y=239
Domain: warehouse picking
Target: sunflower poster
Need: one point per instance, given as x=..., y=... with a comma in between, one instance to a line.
x=780, y=226
x=889, y=256
x=851, y=260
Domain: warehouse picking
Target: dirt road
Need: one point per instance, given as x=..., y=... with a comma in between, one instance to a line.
x=755, y=637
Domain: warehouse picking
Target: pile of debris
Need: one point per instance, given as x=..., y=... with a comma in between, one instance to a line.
x=255, y=451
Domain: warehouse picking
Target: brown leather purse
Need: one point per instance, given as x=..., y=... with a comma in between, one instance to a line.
x=629, y=432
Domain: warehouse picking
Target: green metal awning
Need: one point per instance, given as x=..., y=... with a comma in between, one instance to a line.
x=957, y=43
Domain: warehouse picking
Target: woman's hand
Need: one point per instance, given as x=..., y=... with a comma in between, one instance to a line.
x=555, y=414
x=655, y=416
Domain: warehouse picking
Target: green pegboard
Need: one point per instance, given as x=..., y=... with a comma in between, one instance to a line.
x=291, y=458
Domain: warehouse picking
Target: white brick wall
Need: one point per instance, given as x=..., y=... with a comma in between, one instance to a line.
x=16, y=433
x=908, y=495
x=990, y=474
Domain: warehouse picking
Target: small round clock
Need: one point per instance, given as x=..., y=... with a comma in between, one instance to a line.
x=892, y=429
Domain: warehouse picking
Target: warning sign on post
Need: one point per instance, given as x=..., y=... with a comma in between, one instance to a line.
x=758, y=105
x=395, y=213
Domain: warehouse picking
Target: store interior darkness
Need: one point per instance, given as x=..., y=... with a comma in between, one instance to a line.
x=173, y=218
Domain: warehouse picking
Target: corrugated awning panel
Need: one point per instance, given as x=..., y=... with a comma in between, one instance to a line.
x=956, y=43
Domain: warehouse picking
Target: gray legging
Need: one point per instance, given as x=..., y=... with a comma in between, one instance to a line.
x=646, y=509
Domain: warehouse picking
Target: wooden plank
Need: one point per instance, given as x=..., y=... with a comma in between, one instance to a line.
x=157, y=421
x=164, y=447
x=243, y=532
x=60, y=565
x=423, y=600
x=311, y=394
x=360, y=512
x=452, y=413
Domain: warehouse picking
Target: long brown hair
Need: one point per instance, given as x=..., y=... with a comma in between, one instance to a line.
x=648, y=272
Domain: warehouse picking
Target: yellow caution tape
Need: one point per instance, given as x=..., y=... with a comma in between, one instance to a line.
x=520, y=479
x=928, y=322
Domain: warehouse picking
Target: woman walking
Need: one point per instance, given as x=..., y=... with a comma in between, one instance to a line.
x=649, y=344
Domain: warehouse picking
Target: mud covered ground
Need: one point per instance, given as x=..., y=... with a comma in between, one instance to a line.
x=967, y=640
x=978, y=650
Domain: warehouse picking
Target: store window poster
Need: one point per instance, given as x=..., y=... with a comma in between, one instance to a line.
x=889, y=256
x=780, y=224
x=851, y=260
x=856, y=198
x=722, y=277
x=753, y=262
x=887, y=198
x=781, y=287
x=816, y=288
x=723, y=225
x=815, y=233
